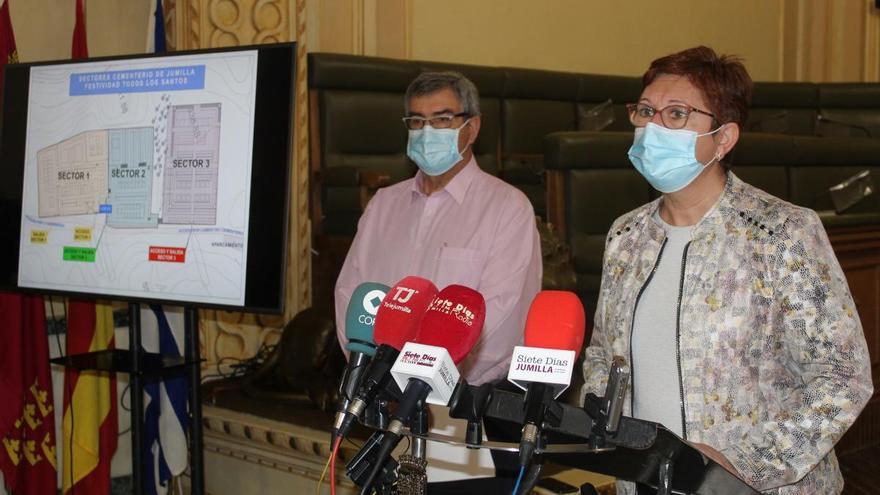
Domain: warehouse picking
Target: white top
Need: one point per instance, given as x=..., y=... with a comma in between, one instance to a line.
x=656, y=392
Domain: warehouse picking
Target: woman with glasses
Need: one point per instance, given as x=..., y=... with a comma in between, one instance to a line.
x=728, y=303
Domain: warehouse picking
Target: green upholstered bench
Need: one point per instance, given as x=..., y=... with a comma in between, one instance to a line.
x=590, y=182
x=356, y=104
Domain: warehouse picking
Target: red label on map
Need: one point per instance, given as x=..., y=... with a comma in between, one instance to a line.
x=169, y=254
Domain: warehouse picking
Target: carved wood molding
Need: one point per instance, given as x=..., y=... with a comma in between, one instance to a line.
x=290, y=439
x=227, y=338
x=192, y=24
x=299, y=281
x=169, y=8
x=251, y=444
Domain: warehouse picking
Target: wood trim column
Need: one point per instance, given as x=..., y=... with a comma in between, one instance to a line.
x=858, y=252
x=830, y=41
x=228, y=337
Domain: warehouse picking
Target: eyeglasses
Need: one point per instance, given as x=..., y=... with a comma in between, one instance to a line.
x=672, y=116
x=415, y=123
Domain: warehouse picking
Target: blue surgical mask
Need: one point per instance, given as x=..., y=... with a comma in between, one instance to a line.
x=667, y=158
x=435, y=151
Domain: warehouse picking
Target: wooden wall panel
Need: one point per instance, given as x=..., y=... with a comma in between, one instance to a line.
x=858, y=251
x=228, y=337
x=830, y=41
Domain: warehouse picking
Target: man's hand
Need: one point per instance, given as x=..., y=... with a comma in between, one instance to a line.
x=716, y=456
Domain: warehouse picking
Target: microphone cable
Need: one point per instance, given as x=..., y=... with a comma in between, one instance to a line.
x=522, y=471
x=323, y=473
x=333, y=466
x=531, y=478
x=329, y=464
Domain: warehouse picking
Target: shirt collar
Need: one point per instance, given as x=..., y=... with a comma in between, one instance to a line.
x=457, y=187
x=715, y=216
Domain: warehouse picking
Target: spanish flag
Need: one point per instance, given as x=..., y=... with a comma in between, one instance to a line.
x=90, y=415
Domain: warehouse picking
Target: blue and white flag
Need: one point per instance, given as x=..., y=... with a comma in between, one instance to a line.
x=165, y=402
x=156, y=29
x=162, y=331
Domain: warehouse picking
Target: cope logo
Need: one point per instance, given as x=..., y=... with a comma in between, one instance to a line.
x=371, y=303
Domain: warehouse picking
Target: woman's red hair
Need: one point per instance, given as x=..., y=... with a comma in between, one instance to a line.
x=723, y=80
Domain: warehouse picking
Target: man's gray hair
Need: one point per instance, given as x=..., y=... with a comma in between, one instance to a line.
x=430, y=82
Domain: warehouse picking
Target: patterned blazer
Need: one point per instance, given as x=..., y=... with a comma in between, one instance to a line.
x=773, y=365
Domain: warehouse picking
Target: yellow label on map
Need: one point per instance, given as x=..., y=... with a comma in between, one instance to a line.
x=39, y=236
x=82, y=234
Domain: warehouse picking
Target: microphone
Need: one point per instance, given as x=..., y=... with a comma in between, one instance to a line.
x=359, y=319
x=554, y=336
x=397, y=321
x=426, y=368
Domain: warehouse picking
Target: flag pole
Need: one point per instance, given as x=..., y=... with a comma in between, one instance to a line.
x=193, y=358
x=137, y=397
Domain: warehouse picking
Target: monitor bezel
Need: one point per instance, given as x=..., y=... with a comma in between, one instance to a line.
x=269, y=212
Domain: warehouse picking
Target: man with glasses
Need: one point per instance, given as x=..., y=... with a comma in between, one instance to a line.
x=452, y=224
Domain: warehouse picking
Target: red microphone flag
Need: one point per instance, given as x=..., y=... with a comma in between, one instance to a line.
x=454, y=321
x=400, y=313
x=556, y=320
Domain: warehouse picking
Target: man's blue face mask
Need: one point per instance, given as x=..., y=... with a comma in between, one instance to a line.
x=435, y=151
x=667, y=158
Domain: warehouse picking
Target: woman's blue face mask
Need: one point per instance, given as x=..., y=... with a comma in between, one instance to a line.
x=667, y=158
x=435, y=151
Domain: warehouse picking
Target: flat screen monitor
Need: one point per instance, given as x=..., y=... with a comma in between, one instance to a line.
x=155, y=178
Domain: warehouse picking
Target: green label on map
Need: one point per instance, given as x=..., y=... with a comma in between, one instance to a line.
x=75, y=253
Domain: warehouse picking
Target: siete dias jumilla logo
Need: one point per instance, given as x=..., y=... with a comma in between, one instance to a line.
x=537, y=364
x=458, y=310
x=419, y=359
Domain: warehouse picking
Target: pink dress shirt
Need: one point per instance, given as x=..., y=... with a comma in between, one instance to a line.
x=478, y=231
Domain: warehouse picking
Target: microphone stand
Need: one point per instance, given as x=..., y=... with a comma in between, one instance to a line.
x=412, y=479
x=376, y=415
x=419, y=426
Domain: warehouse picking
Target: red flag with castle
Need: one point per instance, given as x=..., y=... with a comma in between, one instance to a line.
x=27, y=417
x=8, y=53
